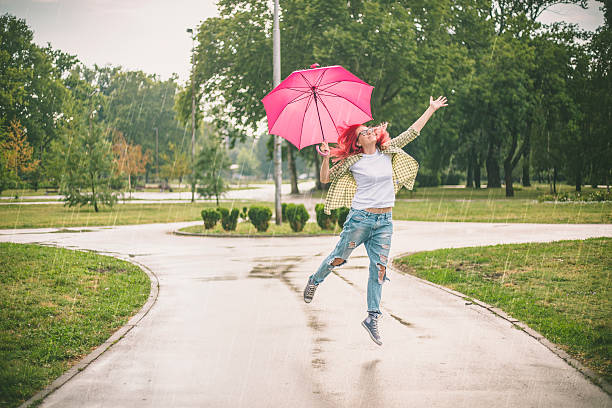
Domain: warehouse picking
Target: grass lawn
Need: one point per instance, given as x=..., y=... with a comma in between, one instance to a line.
x=430, y=204
x=247, y=229
x=520, y=193
x=56, y=306
x=560, y=289
x=55, y=215
x=510, y=211
x=437, y=193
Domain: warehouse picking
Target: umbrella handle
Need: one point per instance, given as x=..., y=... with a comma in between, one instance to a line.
x=320, y=152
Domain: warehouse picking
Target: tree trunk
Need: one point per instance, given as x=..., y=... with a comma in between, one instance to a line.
x=93, y=194
x=292, y=169
x=526, y=159
x=477, y=174
x=555, y=180
x=549, y=180
x=470, y=170
x=579, y=180
x=493, y=176
x=508, y=178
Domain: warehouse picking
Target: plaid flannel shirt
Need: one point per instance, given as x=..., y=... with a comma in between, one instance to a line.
x=343, y=185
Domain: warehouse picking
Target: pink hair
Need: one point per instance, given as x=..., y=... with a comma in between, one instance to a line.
x=347, y=142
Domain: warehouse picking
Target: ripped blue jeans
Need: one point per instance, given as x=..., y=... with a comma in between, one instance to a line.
x=372, y=230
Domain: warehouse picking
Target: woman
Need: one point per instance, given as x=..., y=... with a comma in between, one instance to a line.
x=371, y=169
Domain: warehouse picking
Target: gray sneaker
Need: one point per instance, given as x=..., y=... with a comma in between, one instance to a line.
x=309, y=290
x=371, y=325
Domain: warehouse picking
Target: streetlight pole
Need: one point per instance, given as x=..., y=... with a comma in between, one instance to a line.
x=277, y=140
x=189, y=30
x=157, y=153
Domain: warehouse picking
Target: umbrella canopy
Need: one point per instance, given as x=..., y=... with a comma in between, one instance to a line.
x=309, y=105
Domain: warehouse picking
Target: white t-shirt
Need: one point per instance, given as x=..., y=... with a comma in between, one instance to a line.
x=374, y=176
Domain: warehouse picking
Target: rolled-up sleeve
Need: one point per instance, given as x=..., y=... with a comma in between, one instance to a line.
x=405, y=137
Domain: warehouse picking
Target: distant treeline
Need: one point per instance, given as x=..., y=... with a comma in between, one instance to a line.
x=526, y=100
x=48, y=96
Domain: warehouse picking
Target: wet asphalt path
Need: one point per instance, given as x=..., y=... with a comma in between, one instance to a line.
x=229, y=328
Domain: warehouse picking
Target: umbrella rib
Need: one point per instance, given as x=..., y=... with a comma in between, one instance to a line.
x=302, y=125
x=297, y=99
x=340, y=96
x=319, y=116
x=331, y=117
x=343, y=80
x=305, y=79
x=299, y=90
x=330, y=85
x=300, y=98
x=318, y=81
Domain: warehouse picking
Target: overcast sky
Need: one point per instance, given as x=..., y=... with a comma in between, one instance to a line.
x=150, y=35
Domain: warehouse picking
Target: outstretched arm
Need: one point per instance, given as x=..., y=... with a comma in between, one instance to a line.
x=433, y=106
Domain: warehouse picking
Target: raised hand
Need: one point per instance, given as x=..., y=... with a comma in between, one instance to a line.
x=324, y=149
x=438, y=103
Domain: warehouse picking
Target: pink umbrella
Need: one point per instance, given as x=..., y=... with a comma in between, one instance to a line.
x=309, y=105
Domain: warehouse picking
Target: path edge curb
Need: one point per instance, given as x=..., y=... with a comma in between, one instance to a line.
x=114, y=338
x=587, y=372
x=197, y=234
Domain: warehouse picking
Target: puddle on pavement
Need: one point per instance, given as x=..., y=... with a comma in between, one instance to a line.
x=402, y=321
x=65, y=230
x=265, y=272
x=343, y=278
x=280, y=268
x=216, y=278
x=282, y=259
x=315, y=324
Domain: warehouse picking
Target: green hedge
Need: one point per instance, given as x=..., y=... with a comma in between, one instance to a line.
x=260, y=217
x=297, y=216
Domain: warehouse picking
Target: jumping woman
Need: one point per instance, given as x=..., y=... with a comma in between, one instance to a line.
x=371, y=169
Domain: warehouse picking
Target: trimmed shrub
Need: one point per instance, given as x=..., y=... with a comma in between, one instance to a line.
x=284, y=212
x=229, y=219
x=342, y=214
x=326, y=222
x=297, y=216
x=210, y=217
x=260, y=217
x=244, y=213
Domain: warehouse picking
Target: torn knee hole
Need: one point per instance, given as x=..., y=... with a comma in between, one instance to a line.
x=383, y=258
x=337, y=262
x=351, y=244
x=381, y=273
x=386, y=246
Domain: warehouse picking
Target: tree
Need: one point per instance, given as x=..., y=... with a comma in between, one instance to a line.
x=15, y=156
x=82, y=160
x=247, y=161
x=129, y=158
x=211, y=163
x=175, y=163
x=31, y=88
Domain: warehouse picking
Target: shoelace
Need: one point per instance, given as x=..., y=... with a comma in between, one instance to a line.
x=374, y=326
x=311, y=289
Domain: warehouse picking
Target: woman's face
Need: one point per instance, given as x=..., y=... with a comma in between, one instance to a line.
x=368, y=135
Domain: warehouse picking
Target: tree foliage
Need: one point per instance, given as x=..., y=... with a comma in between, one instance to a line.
x=82, y=161
x=211, y=163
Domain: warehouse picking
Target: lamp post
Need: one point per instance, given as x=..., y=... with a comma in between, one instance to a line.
x=276, y=76
x=189, y=30
x=156, y=154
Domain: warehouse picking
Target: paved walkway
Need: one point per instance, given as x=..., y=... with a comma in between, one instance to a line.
x=229, y=328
